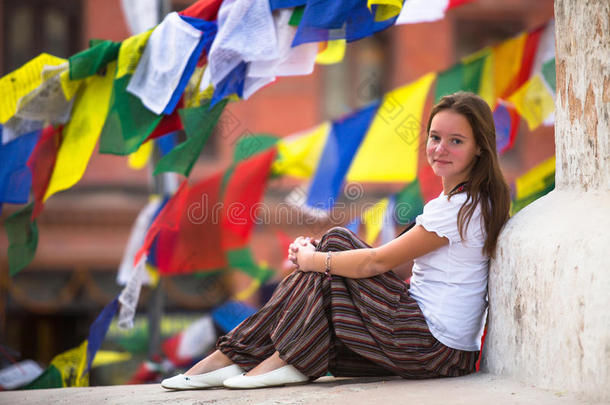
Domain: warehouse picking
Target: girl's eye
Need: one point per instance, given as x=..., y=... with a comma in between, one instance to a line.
x=456, y=141
x=434, y=137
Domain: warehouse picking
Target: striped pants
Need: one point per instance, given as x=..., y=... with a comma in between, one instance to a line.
x=350, y=327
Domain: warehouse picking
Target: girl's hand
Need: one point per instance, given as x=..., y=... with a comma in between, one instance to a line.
x=299, y=248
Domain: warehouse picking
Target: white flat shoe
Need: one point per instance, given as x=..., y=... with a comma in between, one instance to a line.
x=286, y=375
x=200, y=381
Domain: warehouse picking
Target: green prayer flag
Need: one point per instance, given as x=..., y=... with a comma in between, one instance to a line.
x=90, y=61
x=208, y=273
x=409, y=203
x=22, y=236
x=95, y=41
x=135, y=341
x=242, y=260
x=548, y=72
x=128, y=122
x=250, y=145
x=549, y=185
x=199, y=122
x=50, y=378
x=464, y=76
x=245, y=148
x=297, y=15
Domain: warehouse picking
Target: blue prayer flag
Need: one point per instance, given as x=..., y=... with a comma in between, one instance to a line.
x=361, y=23
x=98, y=329
x=15, y=175
x=230, y=314
x=209, y=29
x=354, y=225
x=233, y=83
x=503, y=122
x=167, y=142
x=276, y=4
x=343, y=141
x=345, y=19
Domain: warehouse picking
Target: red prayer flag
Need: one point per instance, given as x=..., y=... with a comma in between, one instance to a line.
x=170, y=349
x=478, y=363
x=457, y=3
x=169, y=217
x=284, y=240
x=41, y=163
x=203, y=9
x=196, y=243
x=244, y=190
x=169, y=123
x=162, y=250
x=430, y=184
x=193, y=231
x=527, y=61
x=529, y=53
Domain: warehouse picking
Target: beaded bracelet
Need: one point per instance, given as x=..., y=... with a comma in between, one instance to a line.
x=327, y=271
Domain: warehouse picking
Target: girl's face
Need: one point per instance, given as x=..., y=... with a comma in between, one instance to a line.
x=451, y=148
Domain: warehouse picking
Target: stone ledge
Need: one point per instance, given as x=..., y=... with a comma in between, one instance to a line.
x=481, y=388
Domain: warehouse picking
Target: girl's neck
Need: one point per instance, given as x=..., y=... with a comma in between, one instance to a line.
x=452, y=186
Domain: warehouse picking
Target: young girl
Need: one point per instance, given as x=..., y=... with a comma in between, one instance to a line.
x=345, y=311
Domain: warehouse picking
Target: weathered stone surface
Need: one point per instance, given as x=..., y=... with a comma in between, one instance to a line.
x=479, y=389
x=548, y=289
x=582, y=119
x=549, y=322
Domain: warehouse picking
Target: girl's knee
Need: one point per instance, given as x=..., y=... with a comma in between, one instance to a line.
x=332, y=232
x=336, y=233
x=337, y=230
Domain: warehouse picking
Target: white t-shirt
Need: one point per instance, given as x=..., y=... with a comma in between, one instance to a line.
x=450, y=283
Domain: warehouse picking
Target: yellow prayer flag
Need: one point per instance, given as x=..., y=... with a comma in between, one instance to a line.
x=138, y=159
x=191, y=95
x=389, y=150
x=82, y=131
x=334, y=52
x=130, y=52
x=486, y=85
x=534, y=180
x=21, y=81
x=246, y=293
x=204, y=95
x=71, y=365
x=372, y=219
x=386, y=9
x=507, y=61
x=476, y=55
x=153, y=274
x=105, y=357
x=298, y=154
x=533, y=101
x=207, y=94
x=69, y=86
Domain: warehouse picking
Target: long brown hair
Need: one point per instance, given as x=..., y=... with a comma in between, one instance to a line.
x=486, y=185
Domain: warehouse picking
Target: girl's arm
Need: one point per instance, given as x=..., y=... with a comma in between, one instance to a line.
x=369, y=262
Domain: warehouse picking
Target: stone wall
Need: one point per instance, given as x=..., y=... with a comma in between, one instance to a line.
x=549, y=290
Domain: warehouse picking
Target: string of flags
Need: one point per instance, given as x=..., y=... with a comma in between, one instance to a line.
x=127, y=95
x=389, y=128
x=71, y=368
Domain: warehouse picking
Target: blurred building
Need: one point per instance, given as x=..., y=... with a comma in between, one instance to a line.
x=49, y=306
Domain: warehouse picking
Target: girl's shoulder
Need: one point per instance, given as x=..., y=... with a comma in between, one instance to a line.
x=445, y=201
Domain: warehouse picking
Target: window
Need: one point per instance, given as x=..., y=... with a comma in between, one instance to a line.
x=34, y=26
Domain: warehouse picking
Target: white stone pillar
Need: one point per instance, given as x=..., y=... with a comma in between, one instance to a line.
x=549, y=286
